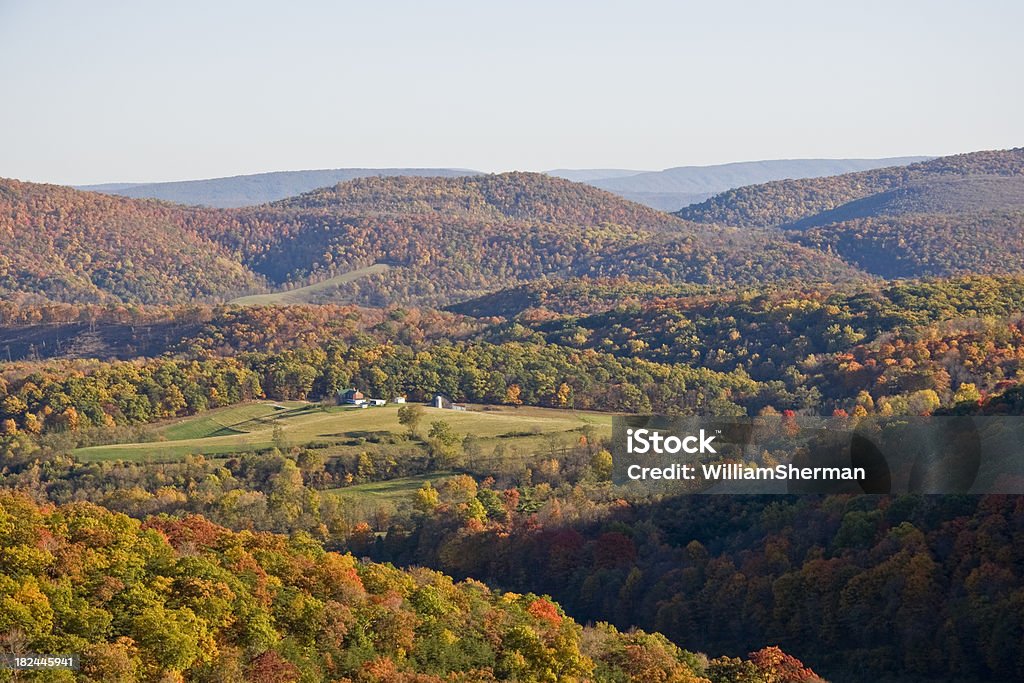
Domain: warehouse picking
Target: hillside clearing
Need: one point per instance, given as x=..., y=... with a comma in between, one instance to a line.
x=342, y=429
x=307, y=294
x=392, y=490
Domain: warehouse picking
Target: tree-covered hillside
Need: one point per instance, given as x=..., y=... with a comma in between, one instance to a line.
x=673, y=188
x=880, y=588
x=501, y=505
x=446, y=238
x=965, y=195
x=214, y=426
x=452, y=238
x=61, y=244
x=947, y=216
x=605, y=345
x=786, y=201
x=174, y=598
x=925, y=244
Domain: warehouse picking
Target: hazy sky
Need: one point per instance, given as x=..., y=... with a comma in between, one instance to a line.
x=143, y=91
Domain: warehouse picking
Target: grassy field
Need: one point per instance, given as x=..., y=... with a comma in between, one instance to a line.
x=251, y=426
x=391, y=491
x=305, y=295
x=224, y=421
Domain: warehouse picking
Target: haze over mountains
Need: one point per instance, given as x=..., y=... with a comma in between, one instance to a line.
x=674, y=188
x=259, y=188
x=667, y=190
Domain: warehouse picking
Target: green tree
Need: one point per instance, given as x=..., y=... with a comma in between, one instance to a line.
x=278, y=438
x=923, y=402
x=967, y=393
x=444, y=443
x=601, y=465
x=426, y=499
x=410, y=415
x=176, y=638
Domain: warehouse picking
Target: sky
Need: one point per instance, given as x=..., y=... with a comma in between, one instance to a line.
x=150, y=91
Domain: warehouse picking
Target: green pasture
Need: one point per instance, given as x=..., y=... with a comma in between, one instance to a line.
x=392, y=490
x=252, y=426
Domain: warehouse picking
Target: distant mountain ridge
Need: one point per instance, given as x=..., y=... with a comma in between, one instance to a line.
x=586, y=175
x=674, y=188
x=259, y=188
x=667, y=190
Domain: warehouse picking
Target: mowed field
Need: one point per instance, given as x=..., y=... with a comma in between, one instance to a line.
x=305, y=295
x=252, y=426
x=390, y=491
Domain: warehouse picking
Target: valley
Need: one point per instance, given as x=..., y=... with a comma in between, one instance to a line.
x=174, y=378
x=538, y=342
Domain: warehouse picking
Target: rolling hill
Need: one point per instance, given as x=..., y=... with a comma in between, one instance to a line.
x=181, y=598
x=449, y=239
x=947, y=216
x=444, y=239
x=932, y=196
x=65, y=245
x=786, y=201
x=440, y=240
x=926, y=244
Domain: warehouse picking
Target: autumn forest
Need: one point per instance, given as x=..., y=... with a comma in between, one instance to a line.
x=188, y=493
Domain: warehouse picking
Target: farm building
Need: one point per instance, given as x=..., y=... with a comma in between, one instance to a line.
x=352, y=397
x=443, y=402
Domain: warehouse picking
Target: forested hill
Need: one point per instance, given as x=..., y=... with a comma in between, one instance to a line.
x=65, y=245
x=666, y=190
x=451, y=238
x=786, y=201
x=956, y=195
x=948, y=216
x=182, y=598
x=522, y=196
x=446, y=239
x=909, y=588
